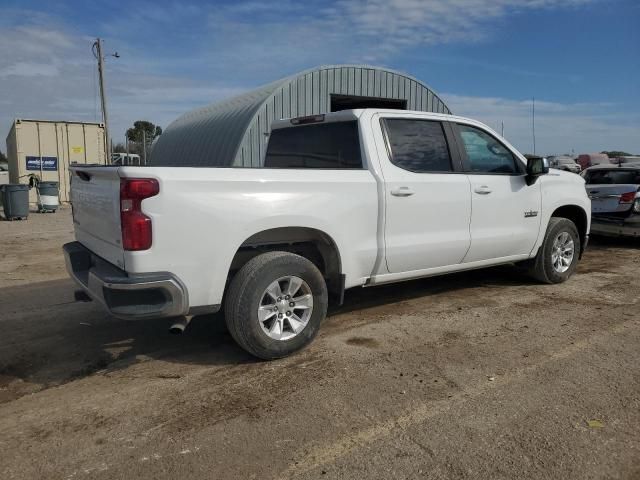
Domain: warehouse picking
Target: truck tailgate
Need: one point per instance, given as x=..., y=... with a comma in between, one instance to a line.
x=95, y=198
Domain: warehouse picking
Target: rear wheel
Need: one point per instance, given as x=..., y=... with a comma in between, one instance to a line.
x=275, y=304
x=557, y=258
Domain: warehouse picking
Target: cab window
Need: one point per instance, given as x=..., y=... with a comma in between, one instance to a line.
x=486, y=154
x=418, y=145
x=323, y=145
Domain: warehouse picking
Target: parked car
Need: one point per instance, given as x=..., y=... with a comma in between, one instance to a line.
x=349, y=199
x=565, y=163
x=615, y=199
x=125, y=159
x=587, y=160
x=627, y=159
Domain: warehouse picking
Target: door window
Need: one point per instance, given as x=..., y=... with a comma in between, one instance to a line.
x=485, y=153
x=418, y=145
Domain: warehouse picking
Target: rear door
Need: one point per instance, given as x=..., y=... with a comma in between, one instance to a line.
x=95, y=200
x=506, y=211
x=427, y=197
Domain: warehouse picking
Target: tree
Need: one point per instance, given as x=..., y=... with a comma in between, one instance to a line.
x=143, y=128
x=120, y=148
x=3, y=158
x=616, y=154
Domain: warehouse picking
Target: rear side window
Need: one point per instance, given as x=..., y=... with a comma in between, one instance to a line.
x=613, y=177
x=323, y=145
x=485, y=153
x=418, y=145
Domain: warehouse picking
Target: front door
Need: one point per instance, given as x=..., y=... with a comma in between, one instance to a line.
x=428, y=201
x=506, y=211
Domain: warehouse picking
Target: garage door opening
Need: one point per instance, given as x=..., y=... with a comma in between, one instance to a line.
x=348, y=102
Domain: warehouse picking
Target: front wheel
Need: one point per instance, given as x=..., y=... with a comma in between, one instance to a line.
x=558, y=256
x=275, y=304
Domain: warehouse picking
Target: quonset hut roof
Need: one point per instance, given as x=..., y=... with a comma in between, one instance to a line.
x=234, y=132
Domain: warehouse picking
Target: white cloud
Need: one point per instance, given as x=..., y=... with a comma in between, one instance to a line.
x=560, y=127
x=360, y=30
x=49, y=71
x=30, y=69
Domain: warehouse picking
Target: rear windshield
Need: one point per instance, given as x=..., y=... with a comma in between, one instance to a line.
x=613, y=177
x=323, y=145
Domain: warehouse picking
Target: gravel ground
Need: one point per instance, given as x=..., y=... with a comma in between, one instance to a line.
x=474, y=375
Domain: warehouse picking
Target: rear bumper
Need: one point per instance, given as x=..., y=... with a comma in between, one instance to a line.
x=125, y=296
x=615, y=228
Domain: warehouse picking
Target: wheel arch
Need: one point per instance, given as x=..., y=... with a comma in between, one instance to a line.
x=579, y=217
x=313, y=244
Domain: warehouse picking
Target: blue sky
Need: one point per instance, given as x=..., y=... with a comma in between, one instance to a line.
x=487, y=59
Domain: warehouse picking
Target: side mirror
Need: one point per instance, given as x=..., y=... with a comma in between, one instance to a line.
x=536, y=166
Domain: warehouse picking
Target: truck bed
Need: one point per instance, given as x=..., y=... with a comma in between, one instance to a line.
x=202, y=216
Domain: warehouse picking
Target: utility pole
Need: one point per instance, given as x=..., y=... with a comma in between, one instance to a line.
x=144, y=146
x=533, y=122
x=97, y=52
x=502, y=129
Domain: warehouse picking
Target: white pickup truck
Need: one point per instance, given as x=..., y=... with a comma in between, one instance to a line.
x=348, y=199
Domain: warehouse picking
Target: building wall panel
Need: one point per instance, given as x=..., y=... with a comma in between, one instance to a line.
x=235, y=132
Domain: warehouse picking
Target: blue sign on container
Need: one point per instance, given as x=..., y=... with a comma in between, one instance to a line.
x=48, y=163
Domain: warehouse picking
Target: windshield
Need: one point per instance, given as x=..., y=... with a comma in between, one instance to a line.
x=613, y=177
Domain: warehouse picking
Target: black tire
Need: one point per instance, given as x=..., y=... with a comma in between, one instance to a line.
x=542, y=268
x=245, y=293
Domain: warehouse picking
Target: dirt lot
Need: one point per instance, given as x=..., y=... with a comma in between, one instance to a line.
x=474, y=375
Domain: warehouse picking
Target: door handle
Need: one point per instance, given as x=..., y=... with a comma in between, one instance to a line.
x=483, y=190
x=402, y=192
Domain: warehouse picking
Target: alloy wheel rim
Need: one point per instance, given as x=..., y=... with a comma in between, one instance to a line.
x=285, y=308
x=562, y=252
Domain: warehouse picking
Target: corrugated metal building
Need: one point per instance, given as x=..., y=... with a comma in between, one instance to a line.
x=47, y=148
x=234, y=132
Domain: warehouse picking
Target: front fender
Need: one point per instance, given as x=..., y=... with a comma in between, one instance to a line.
x=561, y=189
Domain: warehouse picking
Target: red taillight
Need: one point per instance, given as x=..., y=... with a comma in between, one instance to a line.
x=136, y=226
x=628, y=197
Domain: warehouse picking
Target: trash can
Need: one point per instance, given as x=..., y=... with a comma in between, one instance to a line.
x=15, y=200
x=47, y=196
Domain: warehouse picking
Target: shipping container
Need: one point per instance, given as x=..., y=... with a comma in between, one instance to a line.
x=47, y=148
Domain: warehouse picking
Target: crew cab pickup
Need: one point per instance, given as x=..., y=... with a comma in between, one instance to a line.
x=348, y=199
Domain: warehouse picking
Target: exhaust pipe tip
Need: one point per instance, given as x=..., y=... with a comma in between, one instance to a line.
x=180, y=325
x=176, y=329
